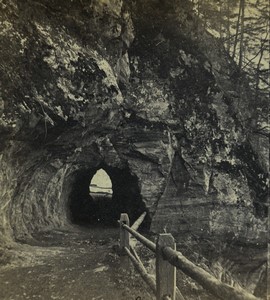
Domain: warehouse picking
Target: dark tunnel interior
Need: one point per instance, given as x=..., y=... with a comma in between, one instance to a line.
x=84, y=209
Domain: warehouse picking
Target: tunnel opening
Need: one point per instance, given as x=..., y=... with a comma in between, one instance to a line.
x=101, y=186
x=99, y=195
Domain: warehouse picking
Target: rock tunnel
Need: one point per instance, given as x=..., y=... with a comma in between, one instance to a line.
x=93, y=209
x=83, y=109
x=131, y=87
x=54, y=187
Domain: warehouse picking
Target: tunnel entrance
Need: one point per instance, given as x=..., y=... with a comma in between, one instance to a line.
x=100, y=195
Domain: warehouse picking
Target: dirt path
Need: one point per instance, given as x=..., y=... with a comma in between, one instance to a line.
x=80, y=263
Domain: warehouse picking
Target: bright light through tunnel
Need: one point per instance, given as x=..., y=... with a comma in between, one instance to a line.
x=101, y=184
x=100, y=195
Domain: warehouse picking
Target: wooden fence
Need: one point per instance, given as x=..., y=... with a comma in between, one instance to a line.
x=167, y=260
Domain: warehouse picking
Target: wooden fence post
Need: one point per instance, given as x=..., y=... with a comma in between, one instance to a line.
x=165, y=272
x=124, y=235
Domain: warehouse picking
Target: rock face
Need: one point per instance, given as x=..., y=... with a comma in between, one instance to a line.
x=135, y=87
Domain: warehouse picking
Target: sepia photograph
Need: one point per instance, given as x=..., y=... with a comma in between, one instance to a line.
x=134, y=149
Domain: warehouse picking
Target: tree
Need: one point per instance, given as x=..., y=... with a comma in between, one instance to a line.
x=243, y=27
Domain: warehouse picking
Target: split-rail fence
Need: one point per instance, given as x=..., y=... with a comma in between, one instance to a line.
x=167, y=260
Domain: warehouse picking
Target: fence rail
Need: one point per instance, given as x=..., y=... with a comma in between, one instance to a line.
x=147, y=243
x=167, y=260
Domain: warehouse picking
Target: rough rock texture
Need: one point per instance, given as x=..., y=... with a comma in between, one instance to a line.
x=138, y=88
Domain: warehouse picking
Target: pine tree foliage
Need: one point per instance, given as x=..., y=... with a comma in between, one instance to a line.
x=243, y=27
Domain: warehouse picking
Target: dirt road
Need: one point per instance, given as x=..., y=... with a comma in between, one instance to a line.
x=79, y=263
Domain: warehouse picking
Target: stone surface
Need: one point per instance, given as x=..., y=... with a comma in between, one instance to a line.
x=137, y=87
